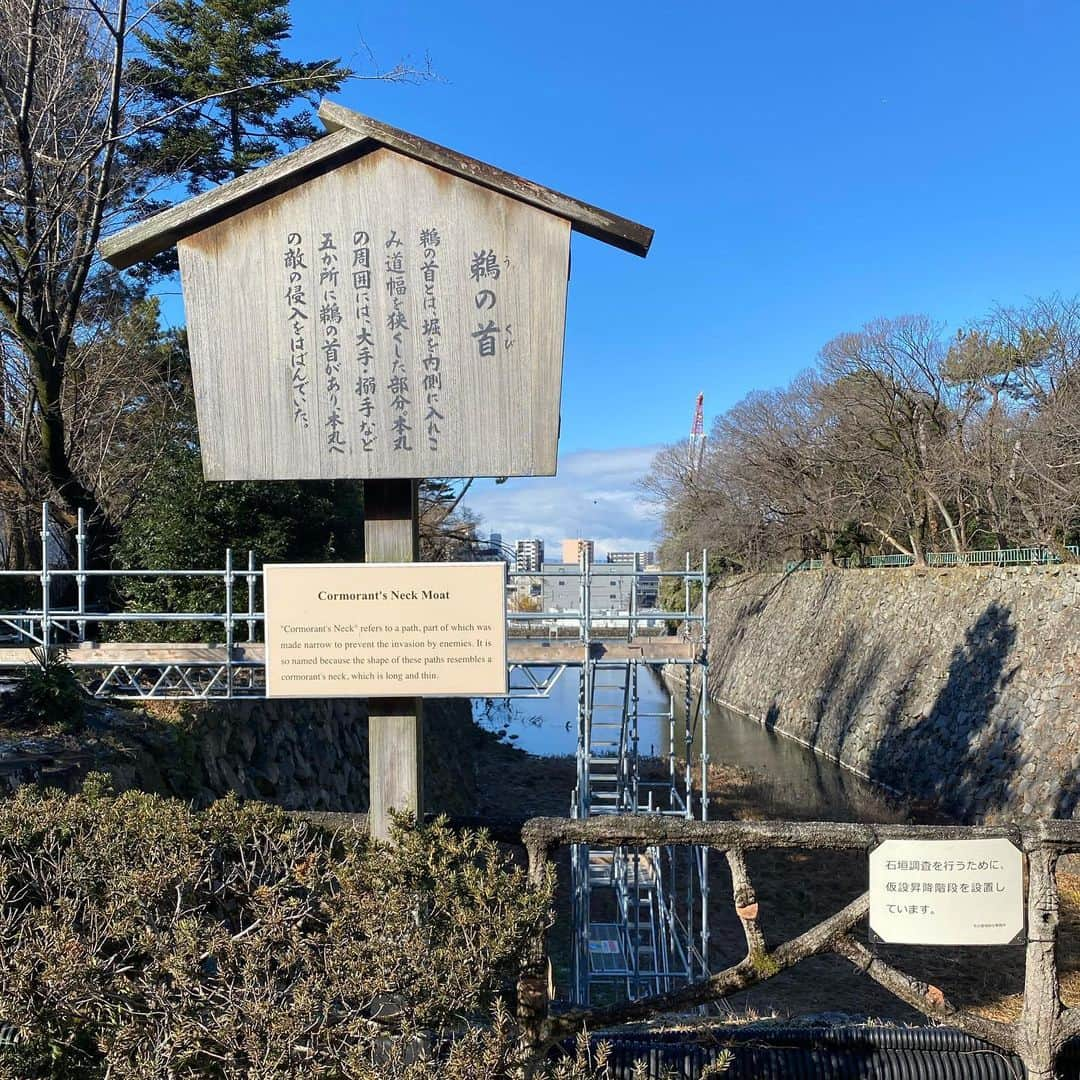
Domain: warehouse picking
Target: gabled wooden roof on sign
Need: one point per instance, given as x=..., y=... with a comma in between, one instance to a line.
x=352, y=135
x=590, y=220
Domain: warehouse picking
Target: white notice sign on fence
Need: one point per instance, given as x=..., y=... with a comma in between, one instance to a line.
x=386, y=630
x=946, y=892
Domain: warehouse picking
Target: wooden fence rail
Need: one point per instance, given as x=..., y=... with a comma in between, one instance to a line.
x=1044, y=1024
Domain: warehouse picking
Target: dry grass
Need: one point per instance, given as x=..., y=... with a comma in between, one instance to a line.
x=1068, y=950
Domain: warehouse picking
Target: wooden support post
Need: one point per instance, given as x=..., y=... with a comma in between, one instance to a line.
x=535, y=987
x=395, y=725
x=1041, y=1031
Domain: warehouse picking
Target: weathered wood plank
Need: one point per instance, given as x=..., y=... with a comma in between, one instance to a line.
x=590, y=220
x=395, y=725
x=547, y=834
x=384, y=320
x=89, y=654
x=164, y=230
x=391, y=521
x=352, y=133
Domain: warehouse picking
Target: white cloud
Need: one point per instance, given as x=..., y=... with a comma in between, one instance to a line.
x=594, y=496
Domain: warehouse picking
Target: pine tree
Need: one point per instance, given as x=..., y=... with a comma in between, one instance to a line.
x=224, y=93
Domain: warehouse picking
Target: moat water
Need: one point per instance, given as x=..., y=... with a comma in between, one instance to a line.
x=787, y=776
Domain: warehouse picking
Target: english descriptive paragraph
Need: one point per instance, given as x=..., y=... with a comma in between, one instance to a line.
x=406, y=652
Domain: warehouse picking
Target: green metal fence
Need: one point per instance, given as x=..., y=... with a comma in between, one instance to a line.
x=1020, y=556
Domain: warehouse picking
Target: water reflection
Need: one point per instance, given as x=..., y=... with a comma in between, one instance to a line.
x=548, y=726
x=789, y=779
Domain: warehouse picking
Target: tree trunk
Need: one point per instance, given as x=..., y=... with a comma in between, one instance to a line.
x=48, y=370
x=958, y=546
x=916, y=549
x=235, y=141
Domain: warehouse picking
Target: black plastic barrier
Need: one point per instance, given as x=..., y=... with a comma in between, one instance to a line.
x=826, y=1053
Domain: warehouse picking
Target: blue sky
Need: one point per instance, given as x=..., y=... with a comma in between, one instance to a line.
x=807, y=167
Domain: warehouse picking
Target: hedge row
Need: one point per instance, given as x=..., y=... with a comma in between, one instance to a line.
x=140, y=939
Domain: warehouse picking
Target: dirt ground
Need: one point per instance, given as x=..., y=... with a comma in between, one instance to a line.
x=796, y=889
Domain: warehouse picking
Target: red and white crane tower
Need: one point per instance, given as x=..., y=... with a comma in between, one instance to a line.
x=697, y=435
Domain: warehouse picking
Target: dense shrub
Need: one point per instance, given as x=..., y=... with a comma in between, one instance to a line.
x=141, y=939
x=48, y=695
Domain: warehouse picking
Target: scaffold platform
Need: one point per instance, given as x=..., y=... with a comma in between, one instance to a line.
x=641, y=922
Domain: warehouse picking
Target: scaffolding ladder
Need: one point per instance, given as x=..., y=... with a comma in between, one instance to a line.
x=634, y=920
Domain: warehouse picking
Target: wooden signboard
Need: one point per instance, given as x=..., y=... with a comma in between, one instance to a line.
x=378, y=307
x=383, y=320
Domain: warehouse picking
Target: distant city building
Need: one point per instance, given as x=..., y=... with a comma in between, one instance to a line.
x=486, y=551
x=495, y=549
x=610, y=588
x=639, y=560
x=529, y=557
x=572, y=550
x=525, y=593
x=648, y=587
x=492, y=548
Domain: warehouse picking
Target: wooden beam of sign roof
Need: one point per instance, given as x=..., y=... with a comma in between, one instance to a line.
x=590, y=220
x=161, y=232
x=353, y=135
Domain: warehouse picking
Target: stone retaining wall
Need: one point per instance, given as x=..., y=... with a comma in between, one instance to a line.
x=302, y=754
x=957, y=686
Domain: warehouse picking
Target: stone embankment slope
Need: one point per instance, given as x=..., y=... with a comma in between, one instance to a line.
x=956, y=686
x=300, y=754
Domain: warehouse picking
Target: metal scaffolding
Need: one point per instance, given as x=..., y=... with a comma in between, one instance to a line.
x=640, y=914
x=228, y=660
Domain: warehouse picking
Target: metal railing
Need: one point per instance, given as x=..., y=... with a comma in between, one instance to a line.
x=1019, y=556
x=590, y=619
x=226, y=661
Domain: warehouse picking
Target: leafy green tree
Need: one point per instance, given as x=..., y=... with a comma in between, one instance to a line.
x=225, y=92
x=103, y=103
x=180, y=521
x=850, y=541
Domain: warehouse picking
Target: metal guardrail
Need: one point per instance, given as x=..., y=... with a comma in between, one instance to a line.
x=228, y=628
x=1025, y=556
